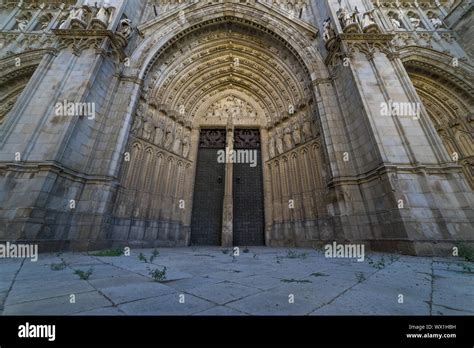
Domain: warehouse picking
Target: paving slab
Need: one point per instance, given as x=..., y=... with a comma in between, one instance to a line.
x=166, y=305
x=222, y=293
x=59, y=305
x=257, y=282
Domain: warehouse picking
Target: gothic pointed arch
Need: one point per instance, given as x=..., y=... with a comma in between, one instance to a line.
x=227, y=68
x=443, y=85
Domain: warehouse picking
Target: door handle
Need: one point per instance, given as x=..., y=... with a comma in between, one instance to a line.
x=219, y=179
x=238, y=180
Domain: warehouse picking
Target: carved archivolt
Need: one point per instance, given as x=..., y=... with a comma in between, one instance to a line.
x=450, y=104
x=235, y=58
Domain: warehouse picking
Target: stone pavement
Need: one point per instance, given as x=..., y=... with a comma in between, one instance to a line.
x=260, y=281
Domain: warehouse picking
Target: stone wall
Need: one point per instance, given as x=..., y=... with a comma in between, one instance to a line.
x=302, y=68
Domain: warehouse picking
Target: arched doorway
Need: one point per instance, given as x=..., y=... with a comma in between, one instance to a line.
x=227, y=79
x=448, y=100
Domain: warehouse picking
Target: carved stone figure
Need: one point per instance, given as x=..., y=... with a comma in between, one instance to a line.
x=395, y=21
x=328, y=31
x=177, y=142
x=22, y=23
x=415, y=22
x=125, y=28
x=186, y=144
x=169, y=137
x=367, y=20
x=344, y=17
x=307, y=132
x=271, y=145
x=287, y=138
x=296, y=133
x=43, y=23
x=231, y=107
x=159, y=133
x=435, y=21
x=279, y=141
x=137, y=125
x=147, y=129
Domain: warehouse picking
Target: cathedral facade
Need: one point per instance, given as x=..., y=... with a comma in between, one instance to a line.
x=339, y=120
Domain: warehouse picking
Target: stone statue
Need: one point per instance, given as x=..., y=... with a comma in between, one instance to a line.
x=44, y=22
x=415, y=21
x=328, y=31
x=367, y=20
x=271, y=146
x=186, y=144
x=279, y=141
x=296, y=133
x=436, y=22
x=148, y=129
x=395, y=21
x=169, y=137
x=178, y=142
x=137, y=124
x=344, y=17
x=287, y=138
x=159, y=132
x=307, y=132
x=22, y=23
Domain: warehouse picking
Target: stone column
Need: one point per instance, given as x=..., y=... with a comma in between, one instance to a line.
x=189, y=183
x=267, y=185
x=227, y=216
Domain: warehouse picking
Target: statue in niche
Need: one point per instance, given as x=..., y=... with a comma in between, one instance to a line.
x=148, y=127
x=279, y=141
x=415, y=21
x=22, y=23
x=186, y=144
x=169, y=137
x=43, y=23
x=271, y=145
x=395, y=20
x=296, y=133
x=159, y=131
x=328, y=31
x=435, y=21
x=368, y=20
x=137, y=124
x=307, y=131
x=177, y=142
x=287, y=138
x=344, y=17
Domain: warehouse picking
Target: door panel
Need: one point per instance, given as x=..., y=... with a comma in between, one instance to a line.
x=206, y=225
x=248, y=221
